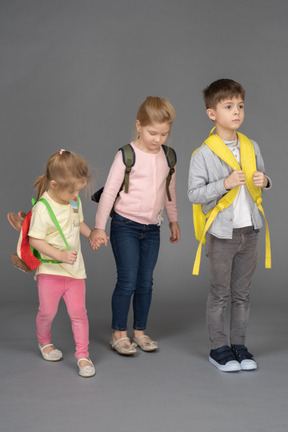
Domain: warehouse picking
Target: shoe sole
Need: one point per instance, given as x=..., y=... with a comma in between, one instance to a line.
x=52, y=360
x=232, y=366
x=123, y=353
x=145, y=349
x=248, y=365
x=87, y=376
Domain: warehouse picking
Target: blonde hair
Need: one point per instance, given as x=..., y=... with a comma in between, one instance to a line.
x=155, y=110
x=66, y=169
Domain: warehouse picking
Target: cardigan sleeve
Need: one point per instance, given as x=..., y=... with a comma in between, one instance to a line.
x=111, y=189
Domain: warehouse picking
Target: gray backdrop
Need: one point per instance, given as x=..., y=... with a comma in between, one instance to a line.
x=73, y=73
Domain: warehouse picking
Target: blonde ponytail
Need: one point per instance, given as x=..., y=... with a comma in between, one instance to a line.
x=41, y=184
x=66, y=169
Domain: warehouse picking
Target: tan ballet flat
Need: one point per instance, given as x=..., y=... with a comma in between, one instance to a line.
x=148, y=345
x=125, y=349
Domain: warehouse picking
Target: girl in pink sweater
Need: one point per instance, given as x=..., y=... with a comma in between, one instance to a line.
x=135, y=225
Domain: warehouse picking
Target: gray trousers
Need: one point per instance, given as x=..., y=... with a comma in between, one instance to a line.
x=232, y=264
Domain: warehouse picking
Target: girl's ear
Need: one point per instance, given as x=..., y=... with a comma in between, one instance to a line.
x=138, y=126
x=53, y=184
x=211, y=114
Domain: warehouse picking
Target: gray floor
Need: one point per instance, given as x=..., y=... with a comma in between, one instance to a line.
x=175, y=389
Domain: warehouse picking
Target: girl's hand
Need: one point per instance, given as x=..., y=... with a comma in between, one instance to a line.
x=175, y=232
x=97, y=238
x=68, y=256
x=259, y=179
x=236, y=178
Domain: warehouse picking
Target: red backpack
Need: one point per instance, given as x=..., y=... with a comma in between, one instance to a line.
x=27, y=258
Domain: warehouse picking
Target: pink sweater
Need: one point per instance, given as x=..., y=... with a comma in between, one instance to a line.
x=147, y=190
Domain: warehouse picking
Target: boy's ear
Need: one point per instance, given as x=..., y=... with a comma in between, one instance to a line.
x=211, y=114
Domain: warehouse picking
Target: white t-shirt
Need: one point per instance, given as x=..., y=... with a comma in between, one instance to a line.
x=42, y=227
x=241, y=207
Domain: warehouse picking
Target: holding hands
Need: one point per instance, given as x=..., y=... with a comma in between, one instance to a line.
x=97, y=238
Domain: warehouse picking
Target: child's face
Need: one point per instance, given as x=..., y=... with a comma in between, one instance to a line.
x=64, y=196
x=228, y=114
x=152, y=136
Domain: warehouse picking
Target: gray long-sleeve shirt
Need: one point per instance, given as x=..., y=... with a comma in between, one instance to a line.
x=206, y=186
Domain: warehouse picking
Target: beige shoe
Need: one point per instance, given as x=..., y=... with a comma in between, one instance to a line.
x=86, y=371
x=54, y=355
x=148, y=345
x=126, y=349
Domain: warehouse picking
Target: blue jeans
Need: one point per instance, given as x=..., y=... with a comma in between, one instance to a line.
x=135, y=247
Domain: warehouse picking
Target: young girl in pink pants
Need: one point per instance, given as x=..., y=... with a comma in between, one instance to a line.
x=66, y=174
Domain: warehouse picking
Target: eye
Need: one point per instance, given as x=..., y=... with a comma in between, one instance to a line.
x=241, y=106
x=228, y=107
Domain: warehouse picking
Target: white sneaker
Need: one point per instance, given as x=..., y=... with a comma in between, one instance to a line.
x=243, y=356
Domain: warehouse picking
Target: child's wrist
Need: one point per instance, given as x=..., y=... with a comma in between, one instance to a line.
x=225, y=184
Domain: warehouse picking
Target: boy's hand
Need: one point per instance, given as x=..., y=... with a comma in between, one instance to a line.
x=236, y=178
x=259, y=179
x=97, y=238
x=68, y=256
x=175, y=232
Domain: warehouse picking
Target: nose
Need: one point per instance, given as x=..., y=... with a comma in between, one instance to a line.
x=157, y=138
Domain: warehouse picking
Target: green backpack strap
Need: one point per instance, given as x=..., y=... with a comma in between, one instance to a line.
x=128, y=156
x=171, y=161
x=56, y=223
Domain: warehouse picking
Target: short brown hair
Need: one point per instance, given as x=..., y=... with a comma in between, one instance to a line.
x=220, y=90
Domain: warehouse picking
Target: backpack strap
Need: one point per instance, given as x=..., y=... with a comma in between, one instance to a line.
x=248, y=162
x=128, y=156
x=56, y=223
x=249, y=166
x=223, y=203
x=171, y=161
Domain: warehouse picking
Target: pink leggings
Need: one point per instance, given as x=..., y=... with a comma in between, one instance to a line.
x=51, y=288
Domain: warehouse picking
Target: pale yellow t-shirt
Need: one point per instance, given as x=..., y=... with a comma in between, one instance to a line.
x=42, y=227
